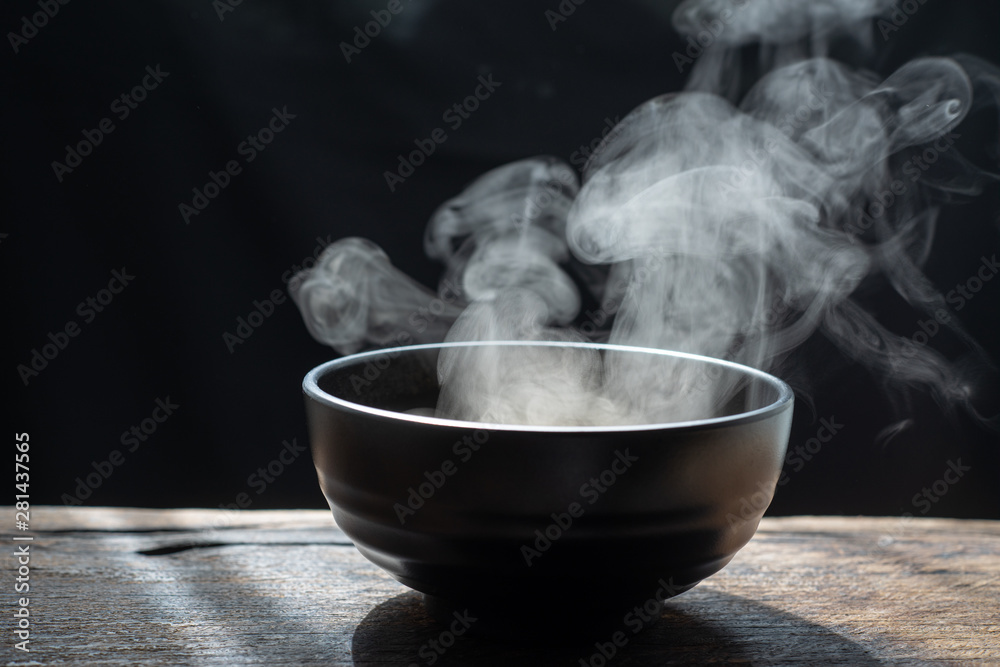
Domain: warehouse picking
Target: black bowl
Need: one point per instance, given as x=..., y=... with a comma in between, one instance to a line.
x=530, y=524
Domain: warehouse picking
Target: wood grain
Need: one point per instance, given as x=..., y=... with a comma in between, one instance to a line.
x=207, y=587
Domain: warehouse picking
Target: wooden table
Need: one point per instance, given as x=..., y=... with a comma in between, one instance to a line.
x=211, y=587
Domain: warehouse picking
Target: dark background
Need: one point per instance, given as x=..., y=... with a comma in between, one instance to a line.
x=322, y=178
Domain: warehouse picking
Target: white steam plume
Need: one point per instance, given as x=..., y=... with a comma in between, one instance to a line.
x=707, y=222
x=354, y=297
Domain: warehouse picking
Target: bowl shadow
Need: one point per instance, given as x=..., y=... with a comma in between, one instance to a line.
x=702, y=626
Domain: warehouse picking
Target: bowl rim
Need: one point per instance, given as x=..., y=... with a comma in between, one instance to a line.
x=310, y=387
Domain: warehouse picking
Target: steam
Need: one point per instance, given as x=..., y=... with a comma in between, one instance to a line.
x=777, y=21
x=353, y=296
x=732, y=228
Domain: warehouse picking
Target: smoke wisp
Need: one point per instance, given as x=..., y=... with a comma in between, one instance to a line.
x=732, y=228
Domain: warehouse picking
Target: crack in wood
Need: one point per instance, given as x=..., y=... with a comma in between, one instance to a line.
x=178, y=548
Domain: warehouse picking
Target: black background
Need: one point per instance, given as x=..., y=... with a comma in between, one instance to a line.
x=322, y=178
